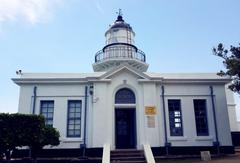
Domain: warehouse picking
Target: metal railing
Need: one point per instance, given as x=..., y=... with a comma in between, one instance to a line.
x=120, y=51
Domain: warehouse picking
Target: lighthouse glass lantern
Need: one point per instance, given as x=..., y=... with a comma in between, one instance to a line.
x=119, y=48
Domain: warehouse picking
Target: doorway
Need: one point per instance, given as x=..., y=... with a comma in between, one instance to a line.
x=125, y=119
x=125, y=128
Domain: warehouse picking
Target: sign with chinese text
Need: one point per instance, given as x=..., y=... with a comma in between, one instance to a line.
x=151, y=121
x=150, y=110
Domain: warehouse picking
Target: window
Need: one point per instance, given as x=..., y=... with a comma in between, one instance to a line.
x=125, y=96
x=201, y=117
x=74, y=118
x=175, y=117
x=46, y=109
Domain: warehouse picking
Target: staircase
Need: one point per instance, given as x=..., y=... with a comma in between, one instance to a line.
x=127, y=156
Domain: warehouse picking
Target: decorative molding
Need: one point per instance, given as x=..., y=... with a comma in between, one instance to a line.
x=177, y=138
x=203, y=138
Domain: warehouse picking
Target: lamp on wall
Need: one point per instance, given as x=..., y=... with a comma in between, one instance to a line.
x=91, y=89
x=91, y=92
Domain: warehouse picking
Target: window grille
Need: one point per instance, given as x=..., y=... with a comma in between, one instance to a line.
x=175, y=117
x=74, y=118
x=200, y=111
x=47, y=109
x=125, y=96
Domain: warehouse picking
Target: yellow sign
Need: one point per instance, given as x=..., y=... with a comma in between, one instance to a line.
x=150, y=110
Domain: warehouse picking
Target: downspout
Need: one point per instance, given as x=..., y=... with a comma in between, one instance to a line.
x=33, y=110
x=164, y=118
x=34, y=99
x=85, y=121
x=215, y=121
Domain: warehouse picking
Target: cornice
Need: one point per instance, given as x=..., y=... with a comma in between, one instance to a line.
x=20, y=81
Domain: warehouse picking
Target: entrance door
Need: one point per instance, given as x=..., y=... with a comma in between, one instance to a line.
x=125, y=128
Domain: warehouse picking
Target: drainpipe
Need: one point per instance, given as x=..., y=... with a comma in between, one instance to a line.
x=34, y=99
x=216, y=144
x=164, y=118
x=33, y=110
x=85, y=121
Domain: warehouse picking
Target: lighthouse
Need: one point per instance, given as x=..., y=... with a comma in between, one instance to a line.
x=122, y=107
x=119, y=48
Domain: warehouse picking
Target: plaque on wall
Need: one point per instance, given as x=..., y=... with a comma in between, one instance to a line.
x=150, y=110
x=151, y=121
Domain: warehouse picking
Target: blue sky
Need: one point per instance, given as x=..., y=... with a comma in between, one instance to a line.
x=64, y=35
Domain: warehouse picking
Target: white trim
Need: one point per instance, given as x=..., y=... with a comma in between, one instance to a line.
x=105, y=65
x=127, y=68
x=160, y=80
x=124, y=105
x=177, y=138
x=232, y=105
x=82, y=81
x=56, y=81
x=195, y=81
x=70, y=140
x=203, y=138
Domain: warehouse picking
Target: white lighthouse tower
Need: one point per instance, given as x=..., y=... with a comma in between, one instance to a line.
x=120, y=48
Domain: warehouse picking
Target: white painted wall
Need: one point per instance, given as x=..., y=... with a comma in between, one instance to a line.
x=25, y=99
x=60, y=94
x=101, y=115
x=186, y=93
x=150, y=98
x=232, y=111
x=222, y=116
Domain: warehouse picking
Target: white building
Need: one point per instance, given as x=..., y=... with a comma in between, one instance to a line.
x=123, y=105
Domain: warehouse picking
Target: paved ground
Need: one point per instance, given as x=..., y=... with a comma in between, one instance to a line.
x=225, y=159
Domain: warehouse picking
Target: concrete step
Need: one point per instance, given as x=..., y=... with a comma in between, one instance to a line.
x=127, y=156
x=128, y=162
x=127, y=150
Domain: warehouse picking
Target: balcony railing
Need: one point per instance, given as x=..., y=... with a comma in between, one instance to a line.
x=120, y=51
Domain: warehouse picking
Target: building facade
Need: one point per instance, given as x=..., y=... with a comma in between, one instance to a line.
x=123, y=105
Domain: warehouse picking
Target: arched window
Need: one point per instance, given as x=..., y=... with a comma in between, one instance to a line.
x=125, y=96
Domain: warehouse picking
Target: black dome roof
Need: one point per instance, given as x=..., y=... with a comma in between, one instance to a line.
x=119, y=23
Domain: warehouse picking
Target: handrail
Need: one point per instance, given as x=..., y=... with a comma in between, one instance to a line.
x=120, y=51
x=106, y=154
x=148, y=153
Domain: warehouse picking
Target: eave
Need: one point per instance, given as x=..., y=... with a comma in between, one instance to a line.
x=20, y=81
x=196, y=81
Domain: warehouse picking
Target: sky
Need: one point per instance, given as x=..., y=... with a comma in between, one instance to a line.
x=64, y=35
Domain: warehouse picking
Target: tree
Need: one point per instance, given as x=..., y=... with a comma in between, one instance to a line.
x=49, y=136
x=8, y=135
x=17, y=130
x=231, y=61
x=37, y=135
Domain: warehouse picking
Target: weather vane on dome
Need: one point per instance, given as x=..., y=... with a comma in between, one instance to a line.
x=119, y=12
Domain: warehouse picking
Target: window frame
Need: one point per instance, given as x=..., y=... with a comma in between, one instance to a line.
x=206, y=133
x=47, y=118
x=74, y=119
x=172, y=117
